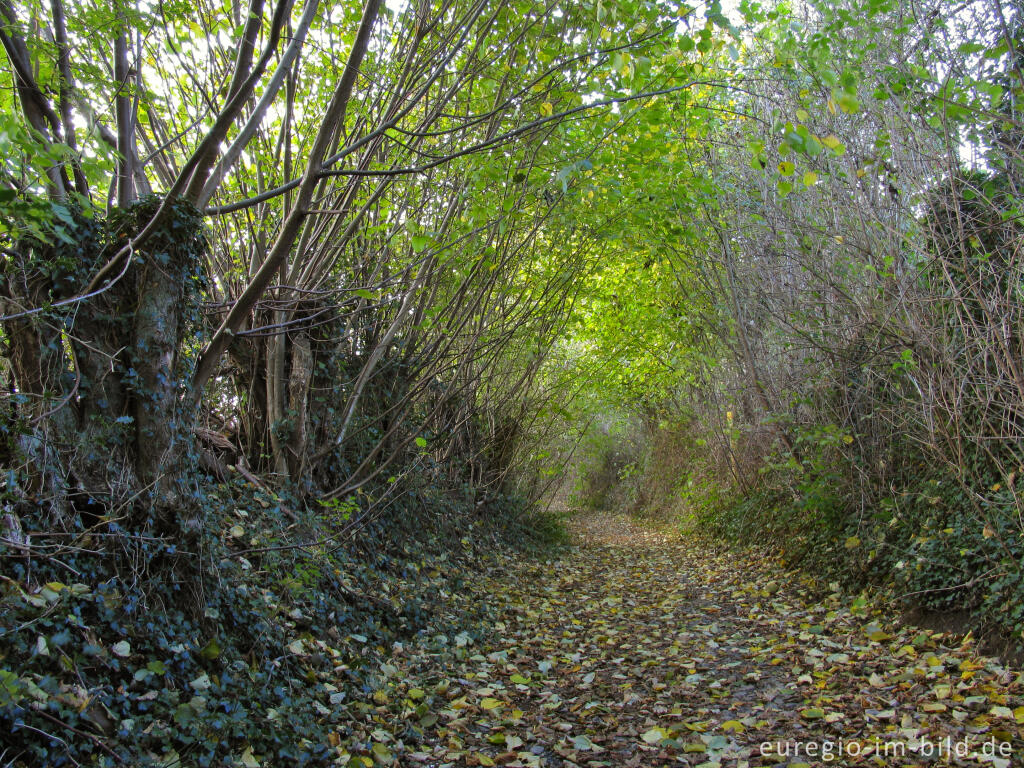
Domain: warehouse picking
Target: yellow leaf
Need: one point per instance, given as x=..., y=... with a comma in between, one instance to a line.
x=875, y=633
x=547, y=109
x=734, y=726
x=653, y=736
x=249, y=760
x=381, y=753
x=490, y=703
x=852, y=543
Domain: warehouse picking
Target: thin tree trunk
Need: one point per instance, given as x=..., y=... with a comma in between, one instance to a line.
x=298, y=408
x=209, y=359
x=123, y=115
x=233, y=152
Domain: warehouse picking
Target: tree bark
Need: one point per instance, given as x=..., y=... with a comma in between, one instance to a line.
x=298, y=408
x=123, y=115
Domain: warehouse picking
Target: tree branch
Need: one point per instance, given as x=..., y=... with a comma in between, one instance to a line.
x=335, y=115
x=270, y=194
x=202, y=195
x=212, y=139
x=243, y=65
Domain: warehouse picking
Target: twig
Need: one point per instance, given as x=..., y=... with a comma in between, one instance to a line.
x=74, y=299
x=970, y=583
x=94, y=739
x=52, y=737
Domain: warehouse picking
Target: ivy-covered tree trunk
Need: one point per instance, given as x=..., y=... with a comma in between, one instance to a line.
x=98, y=382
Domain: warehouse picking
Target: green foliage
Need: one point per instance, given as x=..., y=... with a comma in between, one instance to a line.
x=24, y=212
x=605, y=458
x=764, y=301
x=813, y=276
x=929, y=546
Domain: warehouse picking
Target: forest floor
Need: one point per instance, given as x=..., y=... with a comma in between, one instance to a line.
x=636, y=647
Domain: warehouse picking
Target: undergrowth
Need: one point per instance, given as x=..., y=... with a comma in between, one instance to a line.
x=259, y=643
x=925, y=549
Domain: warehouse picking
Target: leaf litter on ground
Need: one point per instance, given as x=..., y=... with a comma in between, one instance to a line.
x=640, y=648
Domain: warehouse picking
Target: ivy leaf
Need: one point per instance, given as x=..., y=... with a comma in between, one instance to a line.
x=122, y=649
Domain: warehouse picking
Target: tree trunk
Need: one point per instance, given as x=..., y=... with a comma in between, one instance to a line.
x=158, y=422
x=298, y=409
x=101, y=378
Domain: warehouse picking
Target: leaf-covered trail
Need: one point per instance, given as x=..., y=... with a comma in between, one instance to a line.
x=638, y=649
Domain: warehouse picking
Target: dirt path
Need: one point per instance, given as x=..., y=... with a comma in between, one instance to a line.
x=638, y=649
